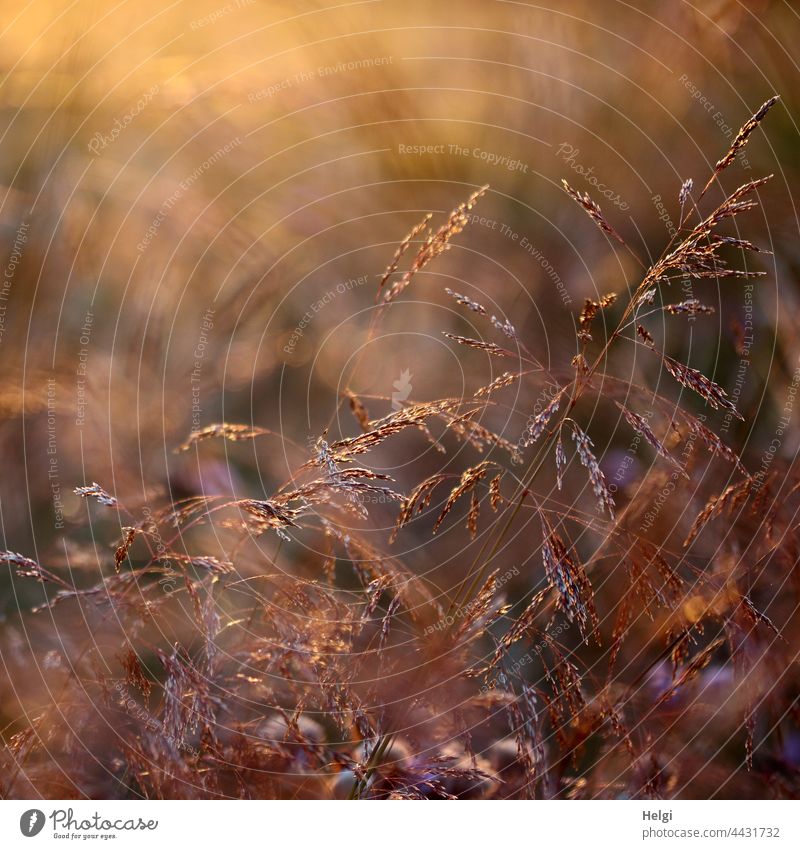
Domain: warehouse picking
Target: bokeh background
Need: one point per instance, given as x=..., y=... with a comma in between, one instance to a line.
x=185, y=186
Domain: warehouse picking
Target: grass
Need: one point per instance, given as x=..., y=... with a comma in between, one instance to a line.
x=278, y=646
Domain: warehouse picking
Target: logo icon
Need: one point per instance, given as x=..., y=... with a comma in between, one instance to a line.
x=403, y=387
x=31, y=822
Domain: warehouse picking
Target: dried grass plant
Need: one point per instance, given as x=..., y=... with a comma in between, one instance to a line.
x=338, y=670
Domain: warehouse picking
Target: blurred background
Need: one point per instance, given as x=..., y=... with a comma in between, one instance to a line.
x=197, y=201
